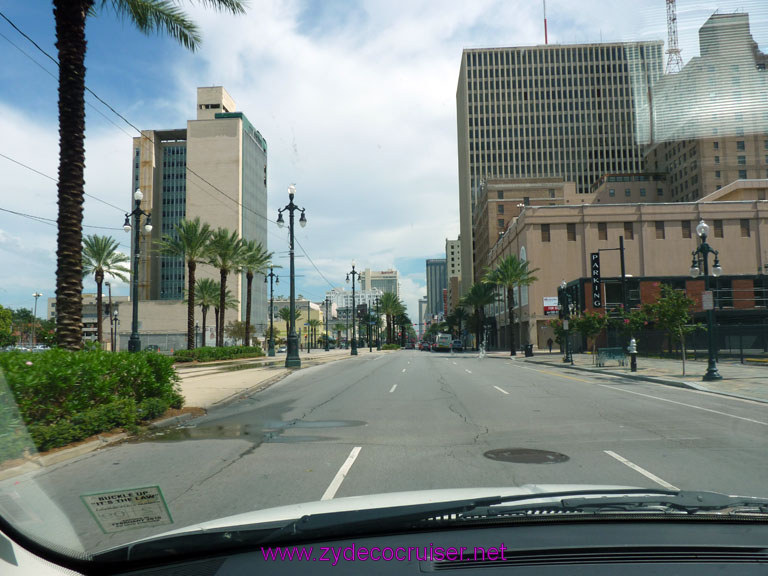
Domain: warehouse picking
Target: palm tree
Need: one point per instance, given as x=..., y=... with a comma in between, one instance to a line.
x=256, y=260
x=480, y=295
x=189, y=240
x=511, y=272
x=391, y=306
x=230, y=303
x=100, y=257
x=313, y=324
x=226, y=251
x=207, y=295
x=285, y=315
x=460, y=314
x=70, y=17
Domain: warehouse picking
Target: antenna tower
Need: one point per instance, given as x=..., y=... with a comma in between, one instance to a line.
x=675, y=61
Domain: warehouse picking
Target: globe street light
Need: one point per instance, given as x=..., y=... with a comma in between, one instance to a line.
x=108, y=284
x=292, y=359
x=273, y=279
x=565, y=307
x=701, y=260
x=353, y=273
x=134, y=343
x=378, y=319
x=327, y=303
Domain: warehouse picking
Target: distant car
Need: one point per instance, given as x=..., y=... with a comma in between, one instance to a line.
x=409, y=345
x=457, y=346
x=41, y=348
x=152, y=348
x=282, y=349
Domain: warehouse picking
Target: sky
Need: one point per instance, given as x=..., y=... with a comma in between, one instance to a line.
x=356, y=99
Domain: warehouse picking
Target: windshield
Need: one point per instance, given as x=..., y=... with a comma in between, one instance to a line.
x=268, y=254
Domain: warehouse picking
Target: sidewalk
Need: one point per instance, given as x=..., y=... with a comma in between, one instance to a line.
x=207, y=385
x=746, y=381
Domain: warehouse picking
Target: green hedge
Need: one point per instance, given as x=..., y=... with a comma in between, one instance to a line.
x=209, y=354
x=390, y=347
x=64, y=396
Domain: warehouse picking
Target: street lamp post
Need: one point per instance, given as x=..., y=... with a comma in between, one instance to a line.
x=566, y=308
x=701, y=256
x=109, y=312
x=353, y=273
x=134, y=343
x=327, y=302
x=273, y=279
x=36, y=295
x=115, y=322
x=378, y=332
x=292, y=359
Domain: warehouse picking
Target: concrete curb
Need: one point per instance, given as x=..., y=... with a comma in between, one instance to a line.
x=654, y=379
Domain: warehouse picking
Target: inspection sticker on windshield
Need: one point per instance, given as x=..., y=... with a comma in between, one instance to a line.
x=128, y=509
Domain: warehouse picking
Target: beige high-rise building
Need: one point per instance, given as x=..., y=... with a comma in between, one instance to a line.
x=214, y=169
x=384, y=280
x=553, y=111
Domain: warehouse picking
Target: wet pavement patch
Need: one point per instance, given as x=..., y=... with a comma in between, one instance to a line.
x=258, y=433
x=525, y=456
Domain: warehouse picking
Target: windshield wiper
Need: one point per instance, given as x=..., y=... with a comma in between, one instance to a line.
x=685, y=502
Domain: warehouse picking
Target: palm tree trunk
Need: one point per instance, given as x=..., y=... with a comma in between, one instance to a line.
x=70, y=20
x=99, y=305
x=191, y=267
x=511, y=315
x=216, y=325
x=222, y=302
x=249, y=278
x=205, y=314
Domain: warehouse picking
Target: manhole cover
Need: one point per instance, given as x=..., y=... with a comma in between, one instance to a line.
x=526, y=456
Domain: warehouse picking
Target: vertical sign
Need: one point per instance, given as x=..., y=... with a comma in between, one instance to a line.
x=597, y=297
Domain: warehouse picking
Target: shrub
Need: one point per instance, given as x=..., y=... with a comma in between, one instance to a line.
x=210, y=354
x=65, y=396
x=390, y=347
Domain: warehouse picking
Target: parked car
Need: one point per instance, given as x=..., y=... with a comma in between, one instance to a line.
x=457, y=346
x=282, y=349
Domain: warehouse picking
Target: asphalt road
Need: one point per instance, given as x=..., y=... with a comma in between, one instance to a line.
x=415, y=420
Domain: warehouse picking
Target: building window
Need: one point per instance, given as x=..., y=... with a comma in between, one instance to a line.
x=642, y=191
x=716, y=145
x=745, y=228
x=740, y=145
x=659, y=230
x=742, y=174
x=552, y=192
x=742, y=160
x=686, y=225
x=717, y=173
x=545, y=232
x=571, y=229
x=627, y=192
x=500, y=195
x=602, y=231
x=611, y=192
x=499, y=208
x=717, y=159
x=724, y=293
x=718, y=228
x=659, y=191
x=501, y=223
x=629, y=231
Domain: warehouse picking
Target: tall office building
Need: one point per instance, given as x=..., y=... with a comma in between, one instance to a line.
x=436, y=283
x=553, y=111
x=384, y=280
x=215, y=169
x=422, y=315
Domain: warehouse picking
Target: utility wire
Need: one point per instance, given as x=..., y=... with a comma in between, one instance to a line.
x=129, y=123
x=55, y=180
x=51, y=221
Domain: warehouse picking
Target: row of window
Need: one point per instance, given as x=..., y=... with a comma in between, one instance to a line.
x=629, y=230
x=628, y=192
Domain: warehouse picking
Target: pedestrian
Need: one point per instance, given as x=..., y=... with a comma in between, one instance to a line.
x=549, y=343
